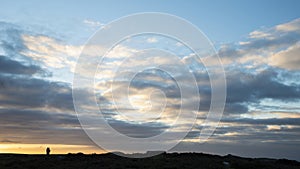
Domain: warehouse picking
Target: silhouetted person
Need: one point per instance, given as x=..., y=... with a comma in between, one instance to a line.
x=48, y=151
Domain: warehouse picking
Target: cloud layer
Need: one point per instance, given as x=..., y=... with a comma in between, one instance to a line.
x=263, y=92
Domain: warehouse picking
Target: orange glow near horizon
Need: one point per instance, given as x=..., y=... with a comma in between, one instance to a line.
x=55, y=149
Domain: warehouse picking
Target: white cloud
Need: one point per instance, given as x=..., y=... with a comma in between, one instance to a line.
x=152, y=40
x=93, y=24
x=178, y=44
x=290, y=26
x=259, y=34
x=287, y=59
x=55, y=54
x=273, y=127
x=276, y=46
x=51, y=52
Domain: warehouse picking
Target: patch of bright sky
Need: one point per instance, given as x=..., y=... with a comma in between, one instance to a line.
x=289, y=77
x=275, y=105
x=2, y=52
x=40, y=149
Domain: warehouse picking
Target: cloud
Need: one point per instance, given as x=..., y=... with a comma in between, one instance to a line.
x=251, y=78
x=50, y=52
x=264, y=67
x=269, y=121
x=93, y=24
x=260, y=67
x=34, y=118
x=263, y=44
x=152, y=40
x=41, y=127
x=32, y=107
x=287, y=59
x=35, y=109
x=290, y=26
x=27, y=92
x=259, y=35
x=10, y=40
x=138, y=130
x=249, y=87
x=15, y=67
x=7, y=141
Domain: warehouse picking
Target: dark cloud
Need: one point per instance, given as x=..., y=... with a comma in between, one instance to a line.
x=269, y=121
x=245, y=88
x=238, y=108
x=229, y=51
x=36, y=119
x=32, y=126
x=248, y=87
x=138, y=130
x=24, y=92
x=15, y=67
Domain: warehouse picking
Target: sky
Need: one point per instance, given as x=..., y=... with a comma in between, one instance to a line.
x=258, y=43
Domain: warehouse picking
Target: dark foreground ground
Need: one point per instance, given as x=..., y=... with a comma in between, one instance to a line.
x=165, y=161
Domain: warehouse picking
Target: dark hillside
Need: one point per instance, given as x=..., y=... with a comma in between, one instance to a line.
x=164, y=161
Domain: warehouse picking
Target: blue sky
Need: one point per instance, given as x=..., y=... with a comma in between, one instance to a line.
x=258, y=43
x=222, y=21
